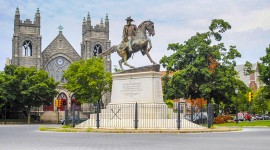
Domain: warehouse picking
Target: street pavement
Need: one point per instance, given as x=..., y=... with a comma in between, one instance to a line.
x=27, y=137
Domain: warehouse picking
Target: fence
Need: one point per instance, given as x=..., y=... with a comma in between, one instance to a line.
x=147, y=116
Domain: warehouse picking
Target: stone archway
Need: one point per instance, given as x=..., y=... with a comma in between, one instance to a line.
x=63, y=97
x=74, y=101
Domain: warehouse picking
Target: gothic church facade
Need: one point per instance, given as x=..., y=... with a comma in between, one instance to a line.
x=59, y=54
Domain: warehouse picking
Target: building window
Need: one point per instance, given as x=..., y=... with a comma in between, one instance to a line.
x=97, y=49
x=27, y=48
x=56, y=68
x=62, y=96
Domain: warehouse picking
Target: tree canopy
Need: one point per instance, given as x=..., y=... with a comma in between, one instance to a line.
x=88, y=79
x=262, y=96
x=203, y=67
x=260, y=103
x=25, y=88
x=264, y=68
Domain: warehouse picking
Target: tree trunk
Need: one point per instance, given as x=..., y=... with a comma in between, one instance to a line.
x=29, y=115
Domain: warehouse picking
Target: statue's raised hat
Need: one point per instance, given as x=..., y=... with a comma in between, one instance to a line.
x=129, y=19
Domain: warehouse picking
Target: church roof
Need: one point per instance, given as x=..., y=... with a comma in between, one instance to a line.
x=246, y=78
x=60, y=46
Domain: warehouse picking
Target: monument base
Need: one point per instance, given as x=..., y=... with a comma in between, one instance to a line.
x=149, y=116
x=142, y=87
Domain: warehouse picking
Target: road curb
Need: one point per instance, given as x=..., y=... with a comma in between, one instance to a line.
x=164, y=130
x=170, y=131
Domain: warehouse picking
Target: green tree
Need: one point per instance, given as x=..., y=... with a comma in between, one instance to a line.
x=264, y=71
x=203, y=68
x=167, y=91
x=248, y=68
x=9, y=90
x=2, y=101
x=261, y=105
x=24, y=88
x=36, y=88
x=264, y=68
x=88, y=80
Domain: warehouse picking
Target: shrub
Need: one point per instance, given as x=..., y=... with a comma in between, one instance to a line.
x=42, y=128
x=169, y=103
x=222, y=119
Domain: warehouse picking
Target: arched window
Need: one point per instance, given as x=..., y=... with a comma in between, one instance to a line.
x=62, y=96
x=97, y=49
x=56, y=68
x=27, y=48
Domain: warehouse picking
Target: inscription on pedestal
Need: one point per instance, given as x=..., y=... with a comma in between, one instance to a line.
x=144, y=87
x=131, y=89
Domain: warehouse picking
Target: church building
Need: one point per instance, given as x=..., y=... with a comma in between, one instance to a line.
x=59, y=54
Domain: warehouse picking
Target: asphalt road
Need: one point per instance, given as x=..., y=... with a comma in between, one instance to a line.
x=27, y=137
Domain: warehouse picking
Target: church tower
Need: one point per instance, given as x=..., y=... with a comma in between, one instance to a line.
x=95, y=40
x=26, y=41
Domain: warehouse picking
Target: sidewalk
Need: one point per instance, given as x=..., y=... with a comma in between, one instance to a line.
x=216, y=129
x=170, y=131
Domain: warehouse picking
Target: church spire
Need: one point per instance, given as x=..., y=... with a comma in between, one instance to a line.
x=101, y=22
x=107, y=24
x=106, y=18
x=88, y=21
x=37, y=10
x=37, y=18
x=88, y=17
x=83, y=25
x=17, y=11
x=17, y=19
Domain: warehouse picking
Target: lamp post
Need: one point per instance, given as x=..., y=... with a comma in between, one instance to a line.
x=236, y=92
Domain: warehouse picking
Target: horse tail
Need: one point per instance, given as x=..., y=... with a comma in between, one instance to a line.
x=109, y=51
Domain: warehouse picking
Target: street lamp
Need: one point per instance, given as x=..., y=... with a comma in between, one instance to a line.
x=236, y=92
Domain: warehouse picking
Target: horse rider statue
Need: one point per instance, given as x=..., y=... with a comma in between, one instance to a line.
x=129, y=33
x=134, y=40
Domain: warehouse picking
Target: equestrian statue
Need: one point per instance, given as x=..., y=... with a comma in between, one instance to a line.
x=133, y=40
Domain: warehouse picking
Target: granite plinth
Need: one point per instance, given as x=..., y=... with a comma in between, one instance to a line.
x=141, y=87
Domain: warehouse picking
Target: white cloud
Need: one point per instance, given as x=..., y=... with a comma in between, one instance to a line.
x=244, y=22
x=175, y=22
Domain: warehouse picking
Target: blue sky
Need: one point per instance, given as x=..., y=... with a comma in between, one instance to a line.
x=175, y=22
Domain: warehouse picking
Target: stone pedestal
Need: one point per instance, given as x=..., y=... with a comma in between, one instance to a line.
x=142, y=87
x=152, y=113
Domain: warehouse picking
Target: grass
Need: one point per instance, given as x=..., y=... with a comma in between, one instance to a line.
x=257, y=123
x=213, y=129
x=65, y=129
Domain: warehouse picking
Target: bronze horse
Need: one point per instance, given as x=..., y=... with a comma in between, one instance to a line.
x=140, y=43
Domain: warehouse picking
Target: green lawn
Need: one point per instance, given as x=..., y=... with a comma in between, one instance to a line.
x=259, y=123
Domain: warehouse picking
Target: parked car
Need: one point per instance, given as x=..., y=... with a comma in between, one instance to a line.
x=262, y=117
x=198, y=117
x=241, y=117
x=70, y=118
x=258, y=117
x=265, y=117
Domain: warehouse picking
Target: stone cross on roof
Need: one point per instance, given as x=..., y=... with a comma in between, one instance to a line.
x=60, y=28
